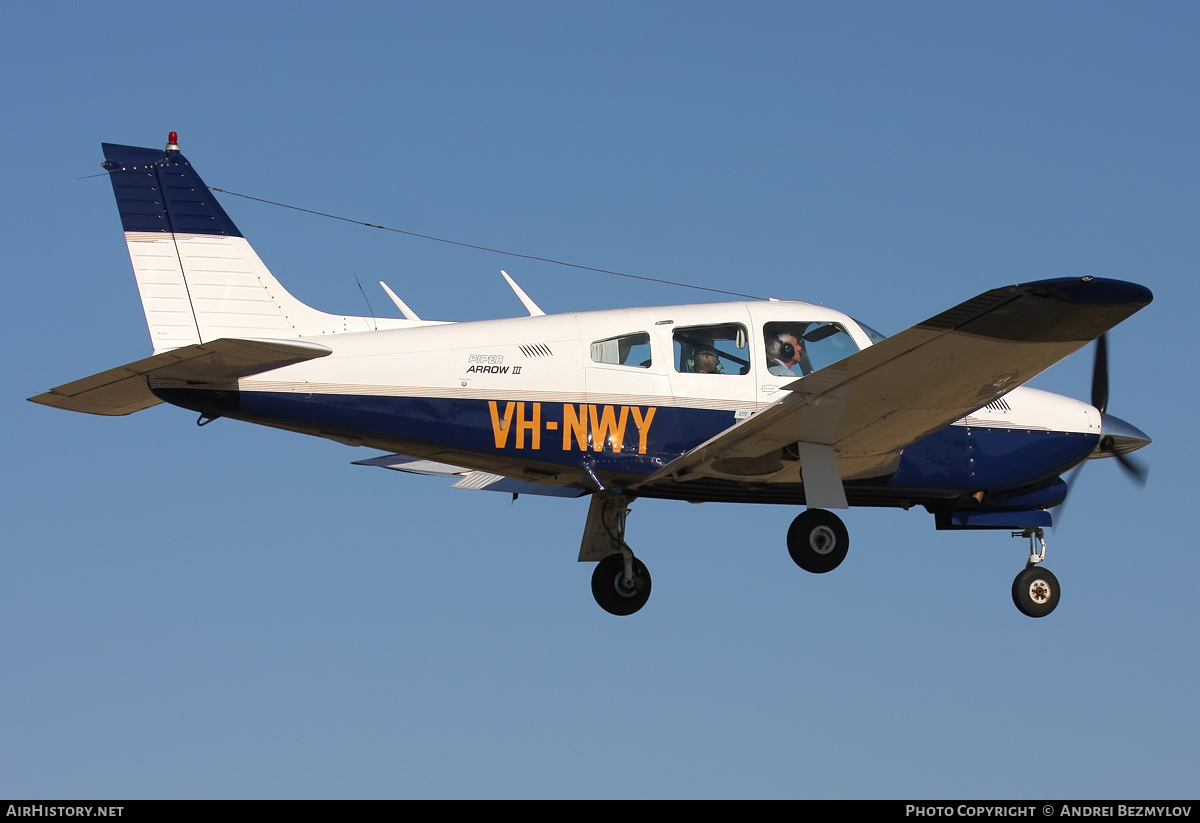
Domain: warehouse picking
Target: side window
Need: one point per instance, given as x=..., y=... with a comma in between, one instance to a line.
x=623, y=350
x=799, y=348
x=712, y=349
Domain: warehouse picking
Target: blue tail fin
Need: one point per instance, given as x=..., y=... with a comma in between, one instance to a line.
x=198, y=277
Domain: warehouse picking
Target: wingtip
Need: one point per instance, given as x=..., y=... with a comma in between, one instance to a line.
x=1093, y=290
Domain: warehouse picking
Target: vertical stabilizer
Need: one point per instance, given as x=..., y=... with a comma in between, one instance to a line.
x=198, y=277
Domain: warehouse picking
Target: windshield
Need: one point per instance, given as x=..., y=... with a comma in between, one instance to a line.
x=875, y=336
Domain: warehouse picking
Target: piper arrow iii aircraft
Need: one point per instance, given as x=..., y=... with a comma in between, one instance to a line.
x=746, y=402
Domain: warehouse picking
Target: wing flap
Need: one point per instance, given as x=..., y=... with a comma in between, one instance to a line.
x=871, y=405
x=126, y=389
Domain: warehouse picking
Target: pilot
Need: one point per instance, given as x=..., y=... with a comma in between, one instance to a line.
x=784, y=351
x=707, y=362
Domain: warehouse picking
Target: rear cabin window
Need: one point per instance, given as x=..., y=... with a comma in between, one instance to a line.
x=712, y=349
x=624, y=350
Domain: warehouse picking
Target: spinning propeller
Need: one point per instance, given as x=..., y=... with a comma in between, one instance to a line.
x=1117, y=438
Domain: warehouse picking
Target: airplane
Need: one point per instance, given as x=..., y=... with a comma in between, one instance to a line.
x=772, y=401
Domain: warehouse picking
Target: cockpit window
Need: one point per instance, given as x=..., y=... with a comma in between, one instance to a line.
x=795, y=349
x=712, y=349
x=623, y=350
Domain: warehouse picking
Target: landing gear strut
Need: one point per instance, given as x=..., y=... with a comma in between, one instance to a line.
x=817, y=541
x=1035, y=590
x=621, y=582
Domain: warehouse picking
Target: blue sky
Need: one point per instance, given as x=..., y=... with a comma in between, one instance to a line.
x=239, y=612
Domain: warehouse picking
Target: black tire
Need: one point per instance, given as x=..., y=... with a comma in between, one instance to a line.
x=818, y=541
x=609, y=590
x=1035, y=591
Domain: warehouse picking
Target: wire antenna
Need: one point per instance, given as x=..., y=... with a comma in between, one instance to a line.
x=487, y=248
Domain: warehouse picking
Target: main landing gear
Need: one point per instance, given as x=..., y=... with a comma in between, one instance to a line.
x=621, y=582
x=817, y=541
x=1035, y=590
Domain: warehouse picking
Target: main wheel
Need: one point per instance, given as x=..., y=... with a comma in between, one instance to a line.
x=817, y=540
x=1035, y=591
x=611, y=591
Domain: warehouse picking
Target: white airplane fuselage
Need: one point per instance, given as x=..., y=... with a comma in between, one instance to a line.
x=524, y=397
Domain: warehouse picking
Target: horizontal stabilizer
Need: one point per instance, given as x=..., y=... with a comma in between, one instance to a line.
x=470, y=479
x=126, y=389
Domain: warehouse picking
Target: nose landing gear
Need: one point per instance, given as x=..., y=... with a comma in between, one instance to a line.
x=1035, y=591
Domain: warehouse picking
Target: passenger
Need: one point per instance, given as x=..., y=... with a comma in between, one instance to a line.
x=707, y=362
x=784, y=351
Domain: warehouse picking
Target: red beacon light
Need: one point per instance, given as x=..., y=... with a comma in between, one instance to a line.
x=173, y=141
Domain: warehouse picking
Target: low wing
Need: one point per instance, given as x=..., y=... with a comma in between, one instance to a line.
x=470, y=478
x=863, y=410
x=126, y=389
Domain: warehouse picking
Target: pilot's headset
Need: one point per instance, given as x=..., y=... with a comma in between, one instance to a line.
x=786, y=350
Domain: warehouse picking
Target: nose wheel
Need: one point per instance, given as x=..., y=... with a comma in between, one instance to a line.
x=1035, y=591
